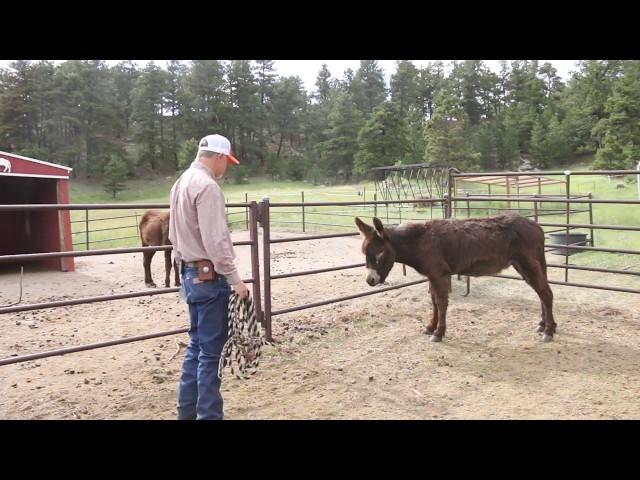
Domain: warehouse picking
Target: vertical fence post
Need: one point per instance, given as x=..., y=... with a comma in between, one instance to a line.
x=638, y=180
x=448, y=200
x=535, y=210
x=364, y=192
x=86, y=227
x=387, y=207
x=137, y=223
x=266, y=258
x=449, y=208
x=568, y=216
x=591, y=220
x=246, y=209
x=454, y=192
x=255, y=261
x=375, y=206
x=468, y=205
x=303, y=220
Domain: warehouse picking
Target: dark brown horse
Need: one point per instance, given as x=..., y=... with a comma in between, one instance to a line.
x=473, y=247
x=154, y=232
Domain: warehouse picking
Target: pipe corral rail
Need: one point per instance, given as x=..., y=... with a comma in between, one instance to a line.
x=254, y=280
x=259, y=214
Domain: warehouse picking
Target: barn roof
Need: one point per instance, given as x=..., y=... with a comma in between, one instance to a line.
x=21, y=166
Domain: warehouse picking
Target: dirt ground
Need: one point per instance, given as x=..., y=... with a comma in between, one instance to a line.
x=361, y=359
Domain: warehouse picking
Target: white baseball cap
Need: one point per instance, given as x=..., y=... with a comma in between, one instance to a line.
x=218, y=144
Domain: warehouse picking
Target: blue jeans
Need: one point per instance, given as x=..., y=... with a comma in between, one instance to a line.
x=199, y=391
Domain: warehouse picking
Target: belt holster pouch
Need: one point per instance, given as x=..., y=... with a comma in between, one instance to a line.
x=206, y=273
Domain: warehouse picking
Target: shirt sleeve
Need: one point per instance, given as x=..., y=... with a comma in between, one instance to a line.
x=212, y=221
x=172, y=223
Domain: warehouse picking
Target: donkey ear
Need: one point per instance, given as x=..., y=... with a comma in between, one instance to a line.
x=379, y=227
x=363, y=227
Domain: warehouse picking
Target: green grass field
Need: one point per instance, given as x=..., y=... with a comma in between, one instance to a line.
x=107, y=231
x=101, y=222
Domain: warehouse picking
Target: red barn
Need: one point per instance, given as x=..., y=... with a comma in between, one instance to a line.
x=26, y=180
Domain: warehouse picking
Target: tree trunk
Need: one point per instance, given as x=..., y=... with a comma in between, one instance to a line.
x=175, y=139
x=162, y=156
x=280, y=145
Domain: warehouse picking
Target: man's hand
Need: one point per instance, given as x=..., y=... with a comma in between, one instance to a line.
x=241, y=289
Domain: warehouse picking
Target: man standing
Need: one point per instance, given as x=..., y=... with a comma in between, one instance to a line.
x=202, y=246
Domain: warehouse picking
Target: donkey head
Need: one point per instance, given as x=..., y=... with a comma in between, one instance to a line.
x=380, y=255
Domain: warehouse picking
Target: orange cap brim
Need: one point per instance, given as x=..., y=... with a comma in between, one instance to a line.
x=233, y=160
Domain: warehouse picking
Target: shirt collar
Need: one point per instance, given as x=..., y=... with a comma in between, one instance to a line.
x=201, y=166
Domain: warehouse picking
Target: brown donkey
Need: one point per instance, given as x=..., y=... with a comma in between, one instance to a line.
x=154, y=232
x=473, y=247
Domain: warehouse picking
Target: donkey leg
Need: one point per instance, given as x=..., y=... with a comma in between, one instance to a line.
x=441, y=292
x=527, y=276
x=434, y=319
x=542, y=323
x=176, y=273
x=546, y=296
x=167, y=268
x=147, y=268
x=534, y=274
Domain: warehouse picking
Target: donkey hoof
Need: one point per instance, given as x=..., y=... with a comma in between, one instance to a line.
x=436, y=338
x=540, y=329
x=150, y=285
x=547, y=338
x=428, y=331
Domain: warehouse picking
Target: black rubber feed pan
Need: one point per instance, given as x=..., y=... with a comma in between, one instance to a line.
x=574, y=239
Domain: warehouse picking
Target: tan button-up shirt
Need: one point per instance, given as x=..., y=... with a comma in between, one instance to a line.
x=198, y=223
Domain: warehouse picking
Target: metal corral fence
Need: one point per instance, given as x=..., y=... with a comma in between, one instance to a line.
x=252, y=209
x=86, y=221
x=269, y=313
x=450, y=206
x=261, y=214
x=238, y=217
x=566, y=226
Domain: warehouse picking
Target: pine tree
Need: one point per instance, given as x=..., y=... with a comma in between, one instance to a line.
x=124, y=76
x=175, y=107
x=115, y=174
x=287, y=106
x=323, y=84
x=244, y=103
x=187, y=153
x=404, y=85
x=148, y=115
x=621, y=129
x=205, y=99
x=337, y=152
x=539, y=147
x=368, y=86
x=382, y=140
x=446, y=136
x=266, y=79
x=431, y=79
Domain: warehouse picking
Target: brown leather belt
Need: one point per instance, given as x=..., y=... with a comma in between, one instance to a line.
x=190, y=264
